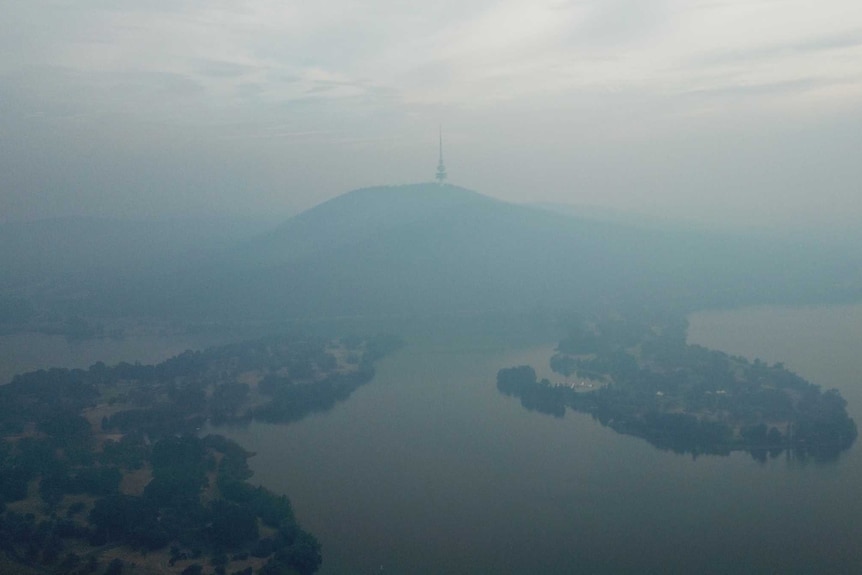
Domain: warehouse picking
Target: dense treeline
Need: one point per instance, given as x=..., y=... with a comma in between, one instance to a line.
x=92, y=459
x=177, y=509
x=639, y=376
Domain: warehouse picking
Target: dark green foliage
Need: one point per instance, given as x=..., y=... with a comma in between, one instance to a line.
x=535, y=395
x=179, y=473
x=303, y=554
x=66, y=427
x=226, y=400
x=115, y=567
x=186, y=364
x=159, y=421
x=98, y=481
x=123, y=518
x=179, y=456
x=231, y=526
x=219, y=559
x=189, y=398
x=273, y=510
x=170, y=508
x=824, y=428
x=685, y=398
x=224, y=445
x=271, y=384
x=129, y=452
x=36, y=455
x=25, y=540
x=680, y=432
x=52, y=488
x=43, y=395
x=13, y=484
x=294, y=401
x=264, y=548
x=69, y=563
x=175, y=491
x=163, y=406
x=51, y=549
x=66, y=528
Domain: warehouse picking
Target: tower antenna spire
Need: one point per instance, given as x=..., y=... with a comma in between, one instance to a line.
x=440, y=176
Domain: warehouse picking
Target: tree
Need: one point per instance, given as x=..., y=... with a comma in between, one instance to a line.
x=231, y=525
x=115, y=567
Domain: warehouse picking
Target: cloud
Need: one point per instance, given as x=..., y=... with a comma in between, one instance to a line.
x=224, y=69
x=616, y=23
x=833, y=42
x=350, y=93
x=230, y=55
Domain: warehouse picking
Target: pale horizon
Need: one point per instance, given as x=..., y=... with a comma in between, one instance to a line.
x=722, y=113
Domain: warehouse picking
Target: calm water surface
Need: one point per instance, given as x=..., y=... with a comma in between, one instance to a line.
x=428, y=469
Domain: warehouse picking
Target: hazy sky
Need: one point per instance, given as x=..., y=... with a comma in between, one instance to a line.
x=730, y=111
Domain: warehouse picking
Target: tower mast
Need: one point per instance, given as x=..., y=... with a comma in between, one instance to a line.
x=441, y=167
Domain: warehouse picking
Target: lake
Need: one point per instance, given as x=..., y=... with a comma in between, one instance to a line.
x=428, y=469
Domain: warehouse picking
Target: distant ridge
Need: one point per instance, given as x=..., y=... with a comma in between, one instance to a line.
x=411, y=251
x=425, y=249
x=357, y=214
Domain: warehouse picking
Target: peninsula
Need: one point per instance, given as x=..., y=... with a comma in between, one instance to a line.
x=105, y=470
x=640, y=377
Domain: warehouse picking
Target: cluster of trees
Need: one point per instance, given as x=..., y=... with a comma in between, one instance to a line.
x=541, y=396
x=294, y=396
x=172, y=510
x=685, y=397
x=300, y=377
x=291, y=401
x=197, y=502
x=29, y=541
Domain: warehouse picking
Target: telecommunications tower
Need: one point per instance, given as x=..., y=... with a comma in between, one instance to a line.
x=440, y=176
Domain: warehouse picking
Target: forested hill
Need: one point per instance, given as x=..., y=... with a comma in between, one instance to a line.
x=354, y=217
x=429, y=249
x=425, y=249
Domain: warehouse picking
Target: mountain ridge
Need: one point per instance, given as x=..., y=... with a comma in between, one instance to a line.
x=429, y=249
x=352, y=214
x=426, y=249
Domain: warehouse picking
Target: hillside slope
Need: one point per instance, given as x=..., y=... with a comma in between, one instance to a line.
x=427, y=249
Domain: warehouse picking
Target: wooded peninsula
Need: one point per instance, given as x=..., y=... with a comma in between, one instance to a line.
x=640, y=377
x=104, y=470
